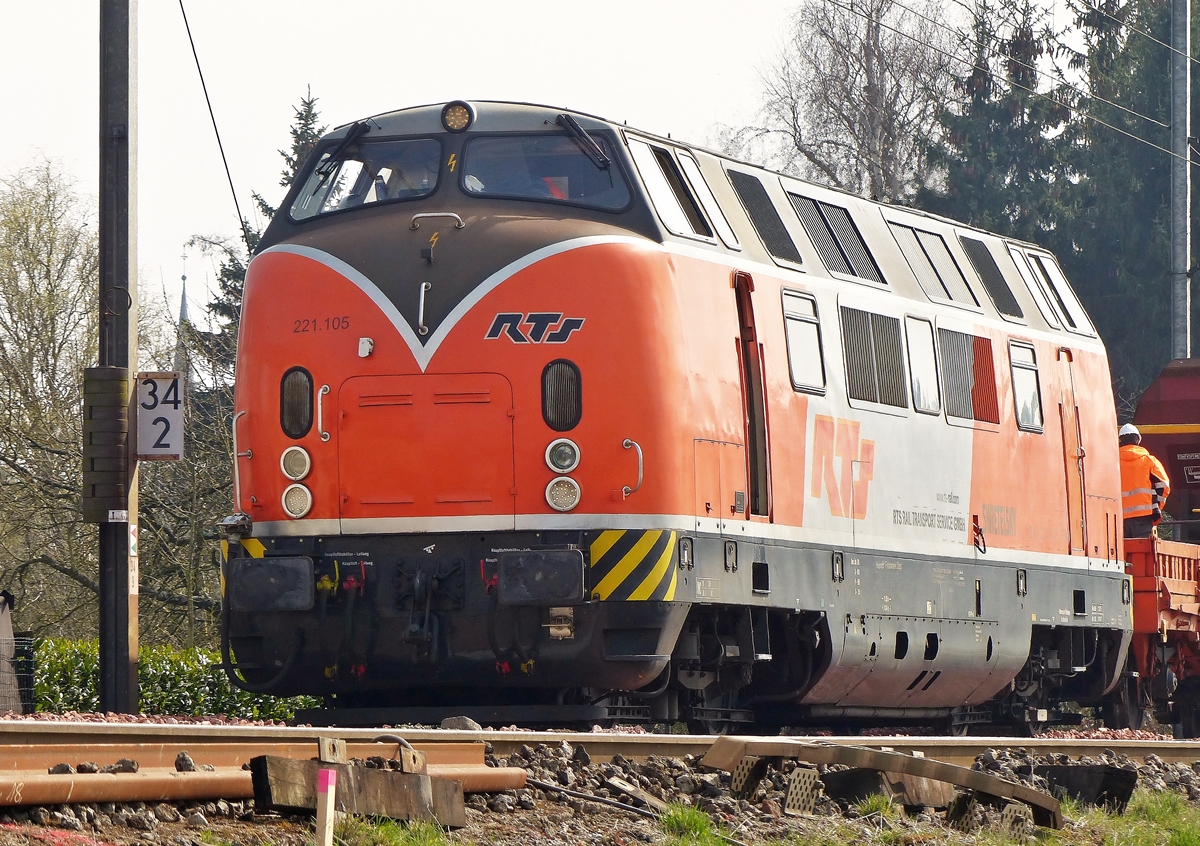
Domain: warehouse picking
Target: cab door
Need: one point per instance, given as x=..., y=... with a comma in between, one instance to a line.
x=1074, y=456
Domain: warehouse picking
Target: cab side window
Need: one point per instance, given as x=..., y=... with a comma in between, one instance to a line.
x=1026, y=391
x=803, y=330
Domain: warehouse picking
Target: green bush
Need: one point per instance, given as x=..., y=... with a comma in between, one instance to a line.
x=186, y=682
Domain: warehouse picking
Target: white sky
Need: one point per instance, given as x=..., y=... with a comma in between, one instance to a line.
x=666, y=67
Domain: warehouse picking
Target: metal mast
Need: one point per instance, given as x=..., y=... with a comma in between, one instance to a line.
x=1181, y=179
x=118, y=350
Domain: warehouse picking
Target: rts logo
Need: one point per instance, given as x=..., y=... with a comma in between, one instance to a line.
x=839, y=439
x=544, y=327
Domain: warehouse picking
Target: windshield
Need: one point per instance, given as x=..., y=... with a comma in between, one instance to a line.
x=369, y=172
x=553, y=168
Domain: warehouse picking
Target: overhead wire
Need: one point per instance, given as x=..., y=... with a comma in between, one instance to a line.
x=1143, y=33
x=1035, y=93
x=217, y=132
x=1056, y=77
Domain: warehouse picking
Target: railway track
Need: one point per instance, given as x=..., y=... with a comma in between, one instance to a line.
x=22, y=740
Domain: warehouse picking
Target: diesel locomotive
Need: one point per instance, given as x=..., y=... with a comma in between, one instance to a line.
x=544, y=419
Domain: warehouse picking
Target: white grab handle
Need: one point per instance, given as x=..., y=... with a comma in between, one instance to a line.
x=629, y=443
x=320, y=413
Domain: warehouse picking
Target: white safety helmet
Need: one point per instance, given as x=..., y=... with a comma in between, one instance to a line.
x=1129, y=429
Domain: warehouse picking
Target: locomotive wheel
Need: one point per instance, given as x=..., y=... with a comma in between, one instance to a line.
x=1189, y=718
x=1124, y=709
x=709, y=726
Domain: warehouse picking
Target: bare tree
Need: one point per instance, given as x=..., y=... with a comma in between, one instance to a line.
x=852, y=99
x=48, y=277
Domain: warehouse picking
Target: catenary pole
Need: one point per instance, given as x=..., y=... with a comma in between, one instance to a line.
x=1181, y=182
x=118, y=340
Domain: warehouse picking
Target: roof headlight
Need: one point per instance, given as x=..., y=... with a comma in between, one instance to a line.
x=563, y=493
x=457, y=116
x=562, y=456
x=295, y=463
x=297, y=501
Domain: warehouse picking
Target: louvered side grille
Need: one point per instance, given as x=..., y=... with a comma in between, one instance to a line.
x=889, y=360
x=860, y=361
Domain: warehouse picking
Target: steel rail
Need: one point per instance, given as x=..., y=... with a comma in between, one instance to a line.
x=174, y=738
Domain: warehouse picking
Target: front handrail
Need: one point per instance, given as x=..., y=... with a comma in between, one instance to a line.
x=321, y=413
x=421, y=327
x=458, y=221
x=237, y=476
x=629, y=443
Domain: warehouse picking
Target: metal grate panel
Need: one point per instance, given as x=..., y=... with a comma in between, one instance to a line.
x=921, y=266
x=860, y=359
x=851, y=242
x=958, y=372
x=947, y=268
x=889, y=360
x=801, y=792
x=818, y=231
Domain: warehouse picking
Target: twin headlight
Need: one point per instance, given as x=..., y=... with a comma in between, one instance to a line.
x=296, y=464
x=562, y=494
x=562, y=456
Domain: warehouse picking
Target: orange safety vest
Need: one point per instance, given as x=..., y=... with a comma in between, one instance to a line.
x=1144, y=483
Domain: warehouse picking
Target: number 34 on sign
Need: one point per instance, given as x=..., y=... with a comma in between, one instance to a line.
x=160, y=416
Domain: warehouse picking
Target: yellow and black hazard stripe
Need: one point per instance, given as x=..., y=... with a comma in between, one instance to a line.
x=253, y=546
x=634, y=565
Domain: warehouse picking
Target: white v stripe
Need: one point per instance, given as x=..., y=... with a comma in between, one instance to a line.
x=423, y=353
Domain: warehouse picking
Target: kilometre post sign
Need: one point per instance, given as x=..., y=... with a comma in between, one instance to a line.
x=160, y=416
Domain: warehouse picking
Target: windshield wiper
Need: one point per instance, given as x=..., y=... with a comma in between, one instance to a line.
x=586, y=142
x=327, y=168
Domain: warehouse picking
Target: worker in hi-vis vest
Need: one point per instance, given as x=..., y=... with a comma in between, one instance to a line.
x=1144, y=485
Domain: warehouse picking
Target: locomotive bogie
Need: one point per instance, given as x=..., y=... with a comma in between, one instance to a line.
x=653, y=428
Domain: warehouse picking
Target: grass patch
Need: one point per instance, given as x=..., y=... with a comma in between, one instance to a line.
x=1161, y=809
x=876, y=804
x=363, y=831
x=690, y=826
x=1152, y=819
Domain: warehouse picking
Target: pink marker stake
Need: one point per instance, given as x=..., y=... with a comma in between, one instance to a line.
x=326, y=797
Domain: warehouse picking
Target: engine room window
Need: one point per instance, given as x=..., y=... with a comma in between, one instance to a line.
x=836, y=238
x=705, y=195
x=551, y=168
x=993, y=279
x=676, y=206
x=922, y=365
x=1076, y=317
x=763, y=215
x=803, y=331
x=1026, y=392
x=1034, y=283
x=931, y=262
x=369, y=172
x=968, y=376
x=874, y=357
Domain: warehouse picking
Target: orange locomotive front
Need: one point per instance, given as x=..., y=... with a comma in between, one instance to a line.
x=540, y=419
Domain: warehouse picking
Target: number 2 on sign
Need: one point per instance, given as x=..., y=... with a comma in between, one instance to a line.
x=170, y=397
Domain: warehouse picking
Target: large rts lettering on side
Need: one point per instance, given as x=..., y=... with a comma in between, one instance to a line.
x=839, y=439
